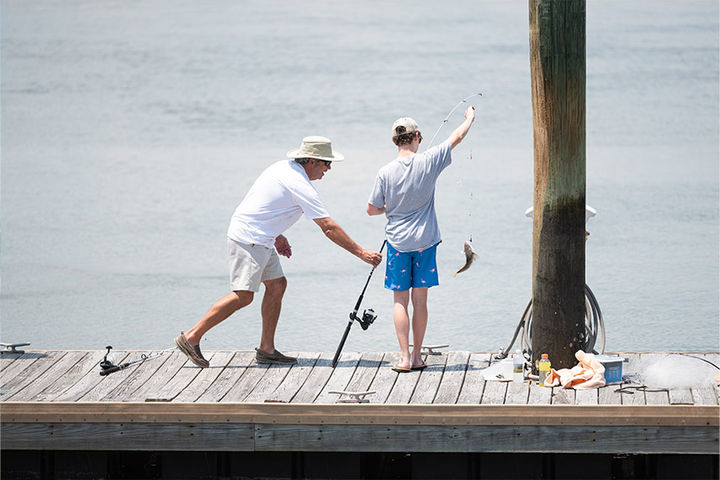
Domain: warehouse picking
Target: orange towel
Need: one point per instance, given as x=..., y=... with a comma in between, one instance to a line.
x=589, y=373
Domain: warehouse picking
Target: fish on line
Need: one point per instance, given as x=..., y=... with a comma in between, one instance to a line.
x=470, y=257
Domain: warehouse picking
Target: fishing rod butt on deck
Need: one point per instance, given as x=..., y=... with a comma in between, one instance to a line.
x=367, y=318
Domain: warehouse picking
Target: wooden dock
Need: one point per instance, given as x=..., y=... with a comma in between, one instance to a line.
x=56, y=400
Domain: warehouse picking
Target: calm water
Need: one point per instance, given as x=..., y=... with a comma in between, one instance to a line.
x=131, y=130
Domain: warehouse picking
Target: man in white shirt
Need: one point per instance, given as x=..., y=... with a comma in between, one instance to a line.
x=277, y=199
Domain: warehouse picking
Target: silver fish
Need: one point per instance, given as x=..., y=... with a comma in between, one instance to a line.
x=470, y=257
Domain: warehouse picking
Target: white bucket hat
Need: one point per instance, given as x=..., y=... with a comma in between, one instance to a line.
x=316, y=147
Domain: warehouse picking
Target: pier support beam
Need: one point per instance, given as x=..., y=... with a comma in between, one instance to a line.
x=557, y=67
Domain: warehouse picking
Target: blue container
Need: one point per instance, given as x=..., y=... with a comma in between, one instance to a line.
x=613, y=368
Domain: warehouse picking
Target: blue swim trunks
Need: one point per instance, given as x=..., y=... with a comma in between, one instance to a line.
x=404, y=270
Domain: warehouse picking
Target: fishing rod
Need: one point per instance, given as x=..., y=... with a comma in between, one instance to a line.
x=464, y=100
x=368, y=316
x=107, y=366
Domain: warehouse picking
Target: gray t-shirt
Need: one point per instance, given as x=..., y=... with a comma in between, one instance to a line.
x=406, y=187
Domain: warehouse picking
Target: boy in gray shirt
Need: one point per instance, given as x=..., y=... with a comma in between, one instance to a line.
x=405, y=192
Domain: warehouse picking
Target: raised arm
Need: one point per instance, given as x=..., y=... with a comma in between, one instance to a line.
x=333, y=231
x=460, y=132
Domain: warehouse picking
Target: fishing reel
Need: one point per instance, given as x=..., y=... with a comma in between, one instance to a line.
x=107, y=366
x=368, y=317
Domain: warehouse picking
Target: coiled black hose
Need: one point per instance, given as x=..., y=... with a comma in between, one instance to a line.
x=594, y=329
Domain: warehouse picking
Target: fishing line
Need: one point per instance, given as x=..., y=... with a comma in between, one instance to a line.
x=469, y=256
x=464, y=100
x=470, y=206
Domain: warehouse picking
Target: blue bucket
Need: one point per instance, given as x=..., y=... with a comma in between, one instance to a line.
x=613, y=368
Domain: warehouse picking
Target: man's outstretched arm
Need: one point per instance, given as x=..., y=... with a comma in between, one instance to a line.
x=333, y=231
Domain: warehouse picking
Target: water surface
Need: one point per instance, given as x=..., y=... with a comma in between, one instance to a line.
x=130, y=131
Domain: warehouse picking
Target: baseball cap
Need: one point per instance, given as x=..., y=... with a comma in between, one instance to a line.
x=404, y=125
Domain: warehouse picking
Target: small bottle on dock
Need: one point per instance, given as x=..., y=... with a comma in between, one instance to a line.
x=543, y=369
x=518, y=364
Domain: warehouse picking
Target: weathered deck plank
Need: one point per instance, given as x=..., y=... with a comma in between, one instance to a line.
x=403, y=388
x=238, y=366
x=453, y=376
x=587, y=396
x=160, y=379
x=494, y=393
x=186, y=374
x=632, y=366
x=714, y=358
x=653, y=395
x=364, y=373
x=339, y=377
x=124, y=387
x=657, y=397
x=258, y=382
x=247, y=382
x=89, y=363
x=474, y=382
x=429, y=380
x=636, y=397
x=295, y=379
x=539, y=395
x=385, y=379
x=40, y=383
x=563, y=396
x=704, y=396
x=517, y=393
x=17, y=379
x=631, y=369
x=206, y=378
x=450, y=378
x=17, y=362
x=608, y=396
x=680, y=396
x=90, y=381
x=318, y=377
x=6, y=359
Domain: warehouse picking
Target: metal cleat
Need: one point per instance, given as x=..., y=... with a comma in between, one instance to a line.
x=11, y=347
x=356, y=397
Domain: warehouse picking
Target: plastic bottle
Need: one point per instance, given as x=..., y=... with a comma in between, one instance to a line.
x=543, y=369
x=518, y=364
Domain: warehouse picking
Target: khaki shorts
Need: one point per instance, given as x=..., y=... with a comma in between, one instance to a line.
x=250, y=265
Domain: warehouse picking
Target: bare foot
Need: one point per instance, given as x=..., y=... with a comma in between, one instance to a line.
x=403, y=363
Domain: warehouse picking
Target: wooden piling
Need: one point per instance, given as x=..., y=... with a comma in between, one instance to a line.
x=557, y=66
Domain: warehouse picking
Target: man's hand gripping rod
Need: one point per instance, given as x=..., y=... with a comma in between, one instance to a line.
x=365, y=321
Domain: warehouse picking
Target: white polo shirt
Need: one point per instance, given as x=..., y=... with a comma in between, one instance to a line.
x=278, y=198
